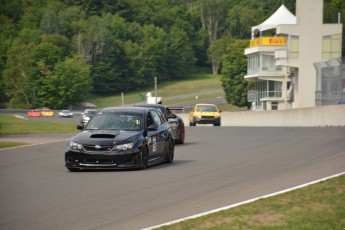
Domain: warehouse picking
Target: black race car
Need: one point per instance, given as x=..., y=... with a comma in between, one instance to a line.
x=175, y=122
x=121, y=137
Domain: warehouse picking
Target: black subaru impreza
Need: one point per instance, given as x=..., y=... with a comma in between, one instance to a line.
x=121, y=137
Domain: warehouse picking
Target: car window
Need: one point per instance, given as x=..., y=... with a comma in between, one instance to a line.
x=206, y=108
x=156, y=117
x=149, y=120
x=116, y=121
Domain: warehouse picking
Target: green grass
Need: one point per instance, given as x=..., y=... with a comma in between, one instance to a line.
x=205, y=84
x=9, y=144
x=10, y=124
x=319, y=206
x=202, y=84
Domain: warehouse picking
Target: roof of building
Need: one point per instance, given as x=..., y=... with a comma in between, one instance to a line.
x=280, y=17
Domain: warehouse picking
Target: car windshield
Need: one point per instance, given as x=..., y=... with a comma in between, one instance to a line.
x=206, y=108
x=116, y=121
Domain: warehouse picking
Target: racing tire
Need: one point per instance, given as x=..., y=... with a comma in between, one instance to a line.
x=144, y=160
x=217, y=124
x=192, y=124
x=181, y=134
x=170, y=151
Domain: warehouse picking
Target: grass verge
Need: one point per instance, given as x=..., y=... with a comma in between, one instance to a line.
x=317, y=206
x=10, y=124
x=204, y=83
x=9, y=144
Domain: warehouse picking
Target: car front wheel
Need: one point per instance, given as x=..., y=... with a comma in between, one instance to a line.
x=144, y=159
x=170, y=151
x=181, y=134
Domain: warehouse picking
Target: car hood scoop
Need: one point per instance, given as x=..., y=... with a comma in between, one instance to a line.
x=102, y=135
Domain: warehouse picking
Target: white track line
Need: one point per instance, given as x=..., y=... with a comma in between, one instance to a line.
x=243, y=202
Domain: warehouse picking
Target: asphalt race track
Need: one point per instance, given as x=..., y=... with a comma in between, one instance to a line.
x=217, y=166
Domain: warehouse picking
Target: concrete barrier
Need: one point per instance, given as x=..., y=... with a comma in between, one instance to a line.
x=321, y=116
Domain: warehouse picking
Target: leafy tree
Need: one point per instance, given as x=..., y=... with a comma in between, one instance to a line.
x=46, y=55
x=17, y=74
x=180, y=54
x=240, y=20
x=215, y=53
x=234, y=69
x=108, y=75
x=69, y=84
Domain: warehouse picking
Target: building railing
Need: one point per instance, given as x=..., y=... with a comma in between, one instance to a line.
x=328, y=98
x=270, y=94
x=275, y=69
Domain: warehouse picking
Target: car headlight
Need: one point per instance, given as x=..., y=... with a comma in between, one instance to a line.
x=75, y=146
x=123, y=147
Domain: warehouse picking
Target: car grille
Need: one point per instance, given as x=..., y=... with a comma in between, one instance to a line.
x=103, y=148
x=99, y=161
x=207, y=117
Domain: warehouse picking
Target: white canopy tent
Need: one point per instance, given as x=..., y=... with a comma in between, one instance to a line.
x=280, y=17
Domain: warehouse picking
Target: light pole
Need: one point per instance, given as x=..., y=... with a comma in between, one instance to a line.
x=156, y=90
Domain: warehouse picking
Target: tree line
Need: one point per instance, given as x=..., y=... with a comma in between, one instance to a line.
x=55, y=53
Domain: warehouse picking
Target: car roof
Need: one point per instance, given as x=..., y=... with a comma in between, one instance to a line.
x=207, y=104
x=156, y=106
x=127, y=109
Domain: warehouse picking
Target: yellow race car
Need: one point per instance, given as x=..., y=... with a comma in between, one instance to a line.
x=47, y=113
x=205, y=114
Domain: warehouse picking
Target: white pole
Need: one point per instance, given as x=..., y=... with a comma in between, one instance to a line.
x=122, y=99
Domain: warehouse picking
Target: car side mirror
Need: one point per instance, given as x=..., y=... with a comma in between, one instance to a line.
x=173, y=116
x=80, y=126
x=152, y=127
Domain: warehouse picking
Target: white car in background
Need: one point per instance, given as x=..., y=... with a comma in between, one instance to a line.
x=86, y=115
x=66, y=113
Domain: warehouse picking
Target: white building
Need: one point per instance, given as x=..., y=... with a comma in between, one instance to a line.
x=288, y=55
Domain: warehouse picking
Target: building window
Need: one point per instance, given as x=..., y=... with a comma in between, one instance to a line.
x=331, y=46
x=267, y=89
x=294, y=47
x=253, y=64
x=262, y=63
x=268, y=63
x=274, y=105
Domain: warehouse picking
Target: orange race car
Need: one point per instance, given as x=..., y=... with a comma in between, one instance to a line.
x=34, y=113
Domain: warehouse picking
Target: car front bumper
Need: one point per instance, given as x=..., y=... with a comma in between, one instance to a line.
x=206, y=120
x=103, y=160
